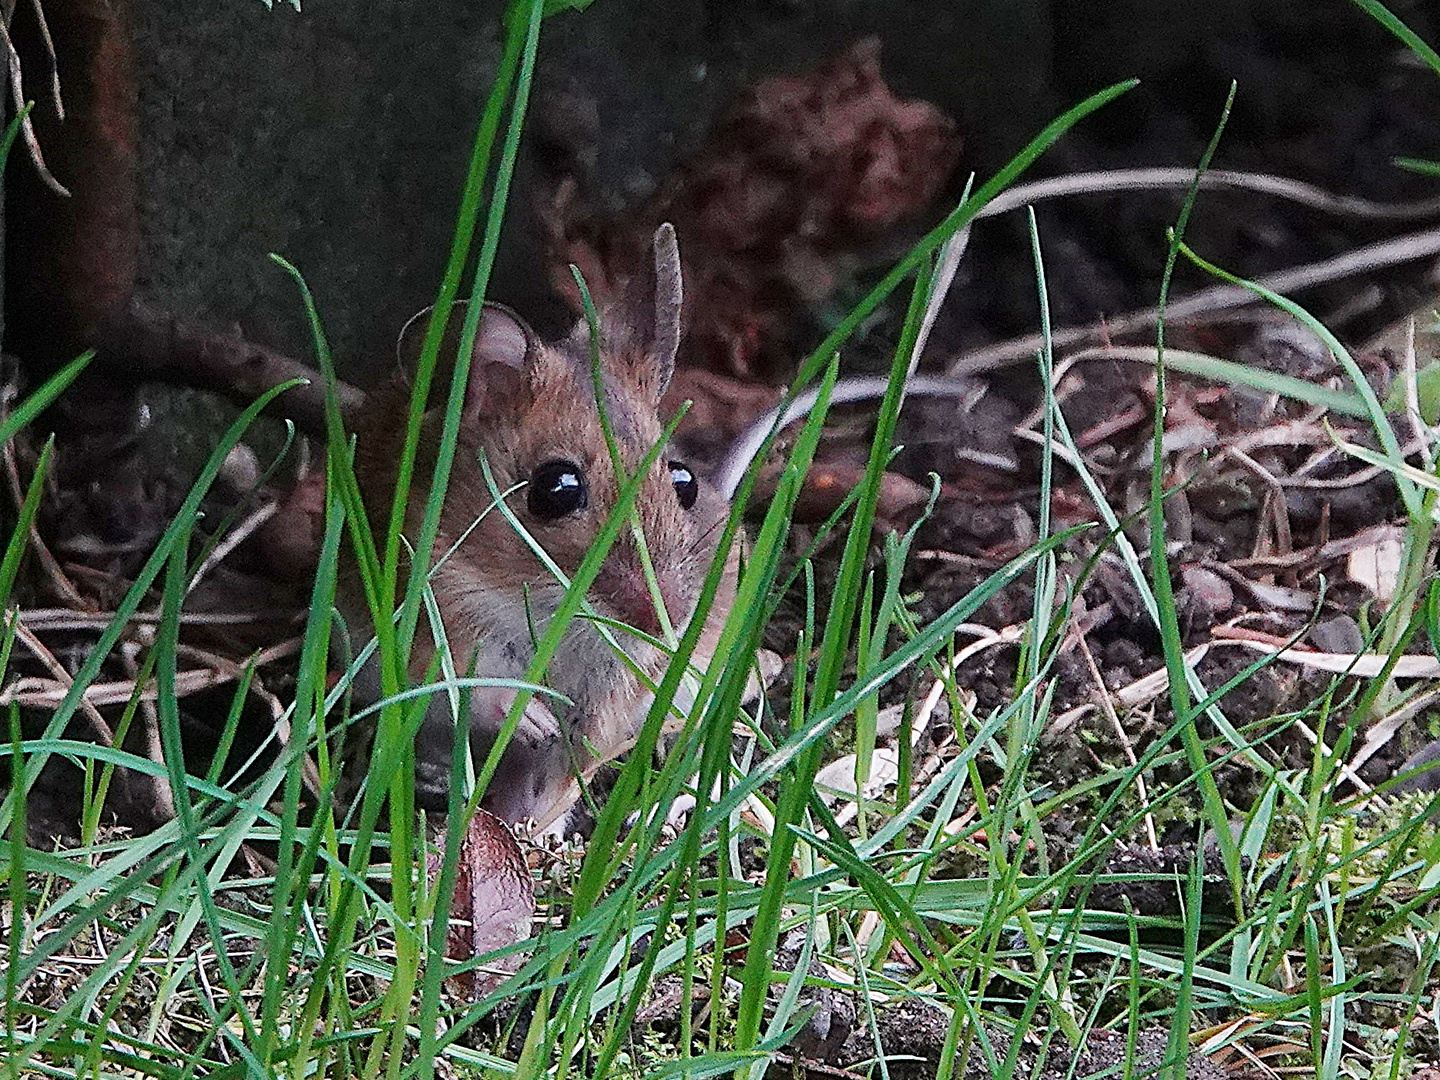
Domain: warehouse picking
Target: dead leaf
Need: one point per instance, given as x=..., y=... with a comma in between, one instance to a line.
x=1377, y=564
x=493, y=905
x=829, y=484
x=837, y=779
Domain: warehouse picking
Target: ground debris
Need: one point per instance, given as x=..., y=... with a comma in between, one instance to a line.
x=802, y=173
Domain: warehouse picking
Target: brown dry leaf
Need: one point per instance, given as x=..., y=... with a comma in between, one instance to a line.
x=493, y=905
x=804, y=170
x=828, y=484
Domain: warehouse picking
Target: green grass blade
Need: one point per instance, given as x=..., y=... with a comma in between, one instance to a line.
x=1381, y=14
x=1174, y=647
x=41, y=399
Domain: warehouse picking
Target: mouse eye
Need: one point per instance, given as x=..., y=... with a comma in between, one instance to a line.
x=557, y=488
x=687, y=489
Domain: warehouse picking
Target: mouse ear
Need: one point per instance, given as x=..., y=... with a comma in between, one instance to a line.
x=411, y=339
x=503, y=347
x=669, y=306
x=644, y=325
x=497, y=335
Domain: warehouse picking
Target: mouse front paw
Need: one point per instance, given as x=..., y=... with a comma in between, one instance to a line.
x=537, y=726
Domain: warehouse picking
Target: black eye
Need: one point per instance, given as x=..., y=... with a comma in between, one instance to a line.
x=557, y=488
x=686, y=488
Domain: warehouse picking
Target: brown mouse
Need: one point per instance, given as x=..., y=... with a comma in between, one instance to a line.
x=530, y=408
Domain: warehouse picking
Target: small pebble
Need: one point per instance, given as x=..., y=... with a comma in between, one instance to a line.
x=241, y=469
x=1208, y=588
x=1338, y=634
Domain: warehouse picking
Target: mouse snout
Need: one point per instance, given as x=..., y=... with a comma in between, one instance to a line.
x=622, y=586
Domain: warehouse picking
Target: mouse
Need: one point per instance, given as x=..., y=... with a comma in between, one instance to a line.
x=530, y=409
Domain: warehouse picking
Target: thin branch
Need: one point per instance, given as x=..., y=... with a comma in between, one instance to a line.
x=150, y=344
x=54, y=60
x=37, y=648
x=27, y=128
x=1380, y=256
x=1111, y=181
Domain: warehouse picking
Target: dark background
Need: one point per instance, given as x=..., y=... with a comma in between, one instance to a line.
x=338, y=137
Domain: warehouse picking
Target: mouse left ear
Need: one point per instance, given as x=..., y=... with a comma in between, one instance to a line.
x=669, y=307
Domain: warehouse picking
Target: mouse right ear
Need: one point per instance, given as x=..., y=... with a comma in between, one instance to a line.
x=503, y=347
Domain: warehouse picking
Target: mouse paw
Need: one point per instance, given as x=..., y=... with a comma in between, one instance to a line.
x=537, y=726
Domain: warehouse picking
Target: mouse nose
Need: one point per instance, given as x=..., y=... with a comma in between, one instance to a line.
x=626, y=592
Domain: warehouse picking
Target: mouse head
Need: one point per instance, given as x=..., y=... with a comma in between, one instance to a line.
x=531, y=409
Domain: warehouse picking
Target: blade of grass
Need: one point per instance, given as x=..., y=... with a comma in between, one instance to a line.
x=834, y=650
x=1381, y=14
x=41, y=399
x=293, y=870
x=1174, y=647
x=523, y=16
x=379, y=571
x=167, y=642
x=1389, y=442
x=738, y=640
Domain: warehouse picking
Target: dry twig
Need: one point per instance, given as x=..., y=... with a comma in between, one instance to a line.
x=41, y=693
x=37, y=648
x=57, y=577
x=1362, y=260
x=17, y=98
